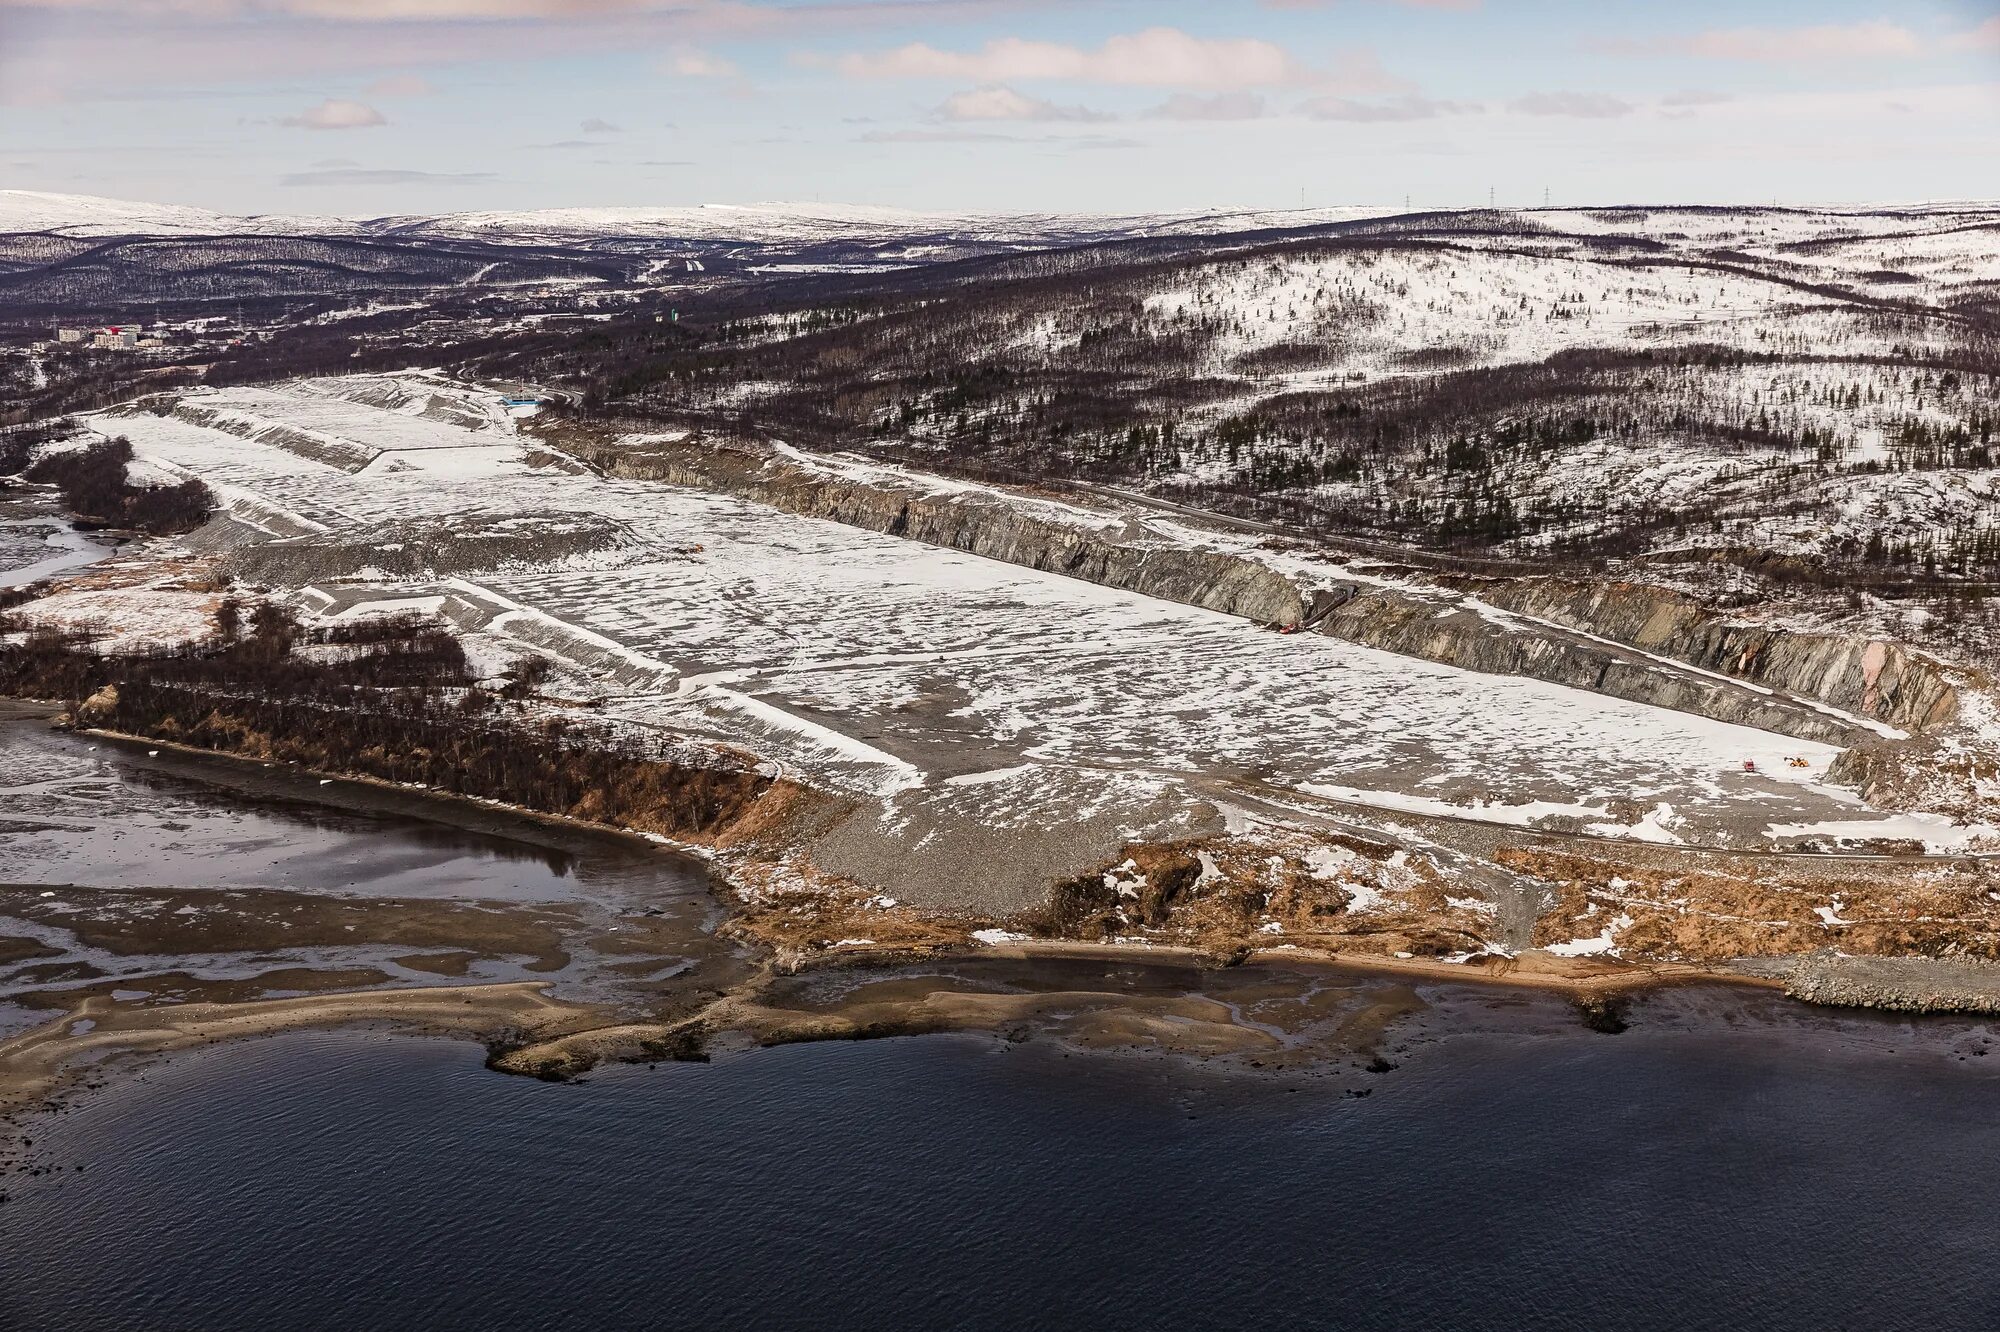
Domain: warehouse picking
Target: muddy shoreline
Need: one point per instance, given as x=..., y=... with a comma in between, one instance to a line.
x=1978, y=991
x=1537, y=969
x=359, y=791
x=879, y=991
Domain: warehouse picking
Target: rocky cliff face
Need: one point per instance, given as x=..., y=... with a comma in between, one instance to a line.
x=1626, y=640
x=1871, y=678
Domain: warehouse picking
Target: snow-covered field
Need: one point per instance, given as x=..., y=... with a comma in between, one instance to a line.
x=1497, y=302
x=1371, y=308
x=942, y=684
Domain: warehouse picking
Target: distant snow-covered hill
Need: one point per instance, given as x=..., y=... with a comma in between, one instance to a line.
x=912, y=236
x=792, y=224
x=87, y=215
x=781, y=223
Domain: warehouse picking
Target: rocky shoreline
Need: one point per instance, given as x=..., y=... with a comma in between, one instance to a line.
x=877, y=995
x=531, y=1033
x=1896, y=984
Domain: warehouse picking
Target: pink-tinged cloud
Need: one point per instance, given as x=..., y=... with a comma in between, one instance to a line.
x=337, y=113
x=1001, y=103
x=1985, y=37
x=723, y=17
x=1156, y=57
x=690, y=63
x=1877, y=40
x=79, y=50
x=378, y=11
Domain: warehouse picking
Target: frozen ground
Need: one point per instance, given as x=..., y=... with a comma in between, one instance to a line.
x=944, y=691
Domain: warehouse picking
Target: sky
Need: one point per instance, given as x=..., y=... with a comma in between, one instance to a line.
x=380, y=107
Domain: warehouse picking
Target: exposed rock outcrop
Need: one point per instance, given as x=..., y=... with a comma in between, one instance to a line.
x=471, y=543
x=1952, y=769
x=1869, y=677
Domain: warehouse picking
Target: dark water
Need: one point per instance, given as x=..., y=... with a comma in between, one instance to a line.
x=153, y=876
x=1689, y=1180
x=98, y=813
x=36, y=543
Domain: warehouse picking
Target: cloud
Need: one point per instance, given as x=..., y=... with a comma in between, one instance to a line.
x=95, y=50
x=1222, y=106
x=1460, y=6
x=1404, y=108
x=1985, y=37
x=400, y=85
x=719, y=15
x=997, y=103
x=1876, y=40
x=336, y=162
x=358, y=176
x=596, y=126
x=336, y=113
x=689, y=63
x=1584, y=106
x=705, y=18
x=1156, y=57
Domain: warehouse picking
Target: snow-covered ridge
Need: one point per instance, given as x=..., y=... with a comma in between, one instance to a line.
x=795, y=222
x=88, y=215
x=85, y=215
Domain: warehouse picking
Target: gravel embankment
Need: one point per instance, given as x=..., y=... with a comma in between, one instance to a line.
x=1904, y=984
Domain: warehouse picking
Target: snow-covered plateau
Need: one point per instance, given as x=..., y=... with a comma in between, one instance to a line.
x=87, y=215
